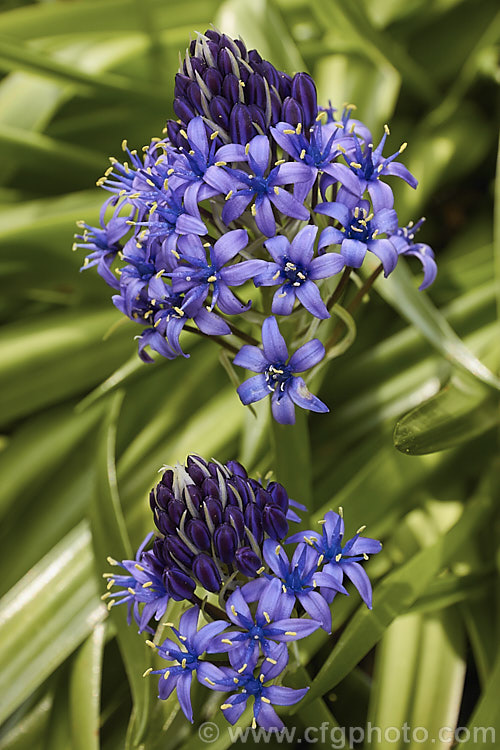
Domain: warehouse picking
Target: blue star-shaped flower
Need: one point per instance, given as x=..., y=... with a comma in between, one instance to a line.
x=294, y=270
x=402, y=240
x=300, y=579
x=360, y=233
x=260, y=632
x=193, y=644
x=198, y=275
x=265, y=696
x=341, y=559
x=277, y=375
x=267, y=190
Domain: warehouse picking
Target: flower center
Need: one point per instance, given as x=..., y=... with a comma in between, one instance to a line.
x=360, y=226
x=277, y=375
x=294, y=273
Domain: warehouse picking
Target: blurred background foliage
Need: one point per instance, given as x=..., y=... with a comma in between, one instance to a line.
x=77, y=77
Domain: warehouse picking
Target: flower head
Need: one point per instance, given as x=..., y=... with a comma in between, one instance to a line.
x=294, y=271
x=214, y=519
x=360, y=233
x=340, y=559
x=248, y=686
x=186, y=658
x=402, y=239
x=277, y=373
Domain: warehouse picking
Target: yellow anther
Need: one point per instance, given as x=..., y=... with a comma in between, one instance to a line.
x=341, y=511
x=289, y=131
x=264, y=699
x=242, y=669
x=183, y=663
x=210, y=682
x=261, y=570
x=211, y=279
x=303, y=153
x=247, y=149
x=131, y=590
x=361, y=529
x=253, y=210
x=226, y=705
x=365, y=556
x=214, y=135
x=179, y=311
x=402, y=147
x=321, y=116
x=228, y=195
x=290, y=632
x=106, y=595
x=268, y=619
x=355, y=164
x=271, y=660
x=276, y=275
x=112, y=561
x=150, y=644
x=166, y=675
x=277, y=550
x=183, y=133
x=148, y=671
x=233, y=610
x=338, y=557
x=220, y=163
x=110, y=603
x=280, y=161
x=298, y=129
x=386, y=128
x=226, y=640
x=124, y=144
x=276, y=190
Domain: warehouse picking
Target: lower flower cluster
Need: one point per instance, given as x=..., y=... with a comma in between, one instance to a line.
x=221, y=548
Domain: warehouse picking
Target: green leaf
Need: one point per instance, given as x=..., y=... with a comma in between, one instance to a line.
x=85, y=691
x=58, y=593
x=485, y=723
x=415, y=307
x=458, y=413
x=109, y=536
x=292, y=457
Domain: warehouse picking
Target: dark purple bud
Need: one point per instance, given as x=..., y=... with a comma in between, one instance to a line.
x=178, y=550
x=214, y=49
x=192, y=47
x=236, y=468
x=213, y=79
x=194, y=96
x=214, y=469
x=168, y=478
x=291, y=111
x=195, y=498
x=235, y=518
x=219, y=110
x=210, y=488
x=270, y=73
x=226, y=41
x=198, y=65
x=181, y=83
x=213, y=35
x=242, y=48
x=248, y=562
x=224, y=62
x=241, y=129
x=255, y=90
x=253, y=521
x=254, y=57
x=163, y=496
x=258, y=118
x=279, y=495
x=206, y=572
x=195, y=473
x=198, y=533
x=262, y=498
x=275, y=108
x=175, y=510
x=275, y=523
x=161, y=553
x=241, y=488
x=226, y=542
x=213, y=511
x=183, y=110
x=304, y=92
x=163, y=522
x=284, y=85
x=174, y=137
x=179, y=585
x=231, y=88
x=244, y=73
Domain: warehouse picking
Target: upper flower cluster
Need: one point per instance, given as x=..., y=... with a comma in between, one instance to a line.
x=221, y=532
x=253, y=186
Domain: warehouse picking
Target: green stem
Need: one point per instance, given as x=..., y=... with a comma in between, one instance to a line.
x=336, y=295
x=218, y=339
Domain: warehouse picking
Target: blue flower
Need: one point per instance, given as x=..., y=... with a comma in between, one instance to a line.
x=295, y=271
x=338, y=559
x=316, y=148
x=199, y=276
x=402, y=240
x=265, y=696
x=369, y=165
x=360, y=233
x=260, y=632
x=186, y=168
x=142, y=586
x=277, y=374
x=300, y=578
x=103, y=243
x=241, y=188
x=186, y=654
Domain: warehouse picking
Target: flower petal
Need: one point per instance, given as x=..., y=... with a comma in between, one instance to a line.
x=330, y=236
x=317, y=608
x=386, y=252
x=283, y=300
x=251, y=358
x=264, y=217
x=288, y=204
x=335, y=210
x=326, y=265
x=353, y=252
x=273, y=342
x=258, y=154
x=300, y=395
x=229, y=245
x=253, y=389
x=277, y=247
x=308, y=294
x=302, y=247
x=307, y=356
x=282, y=408
x=184, y=694
x=359, y=578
